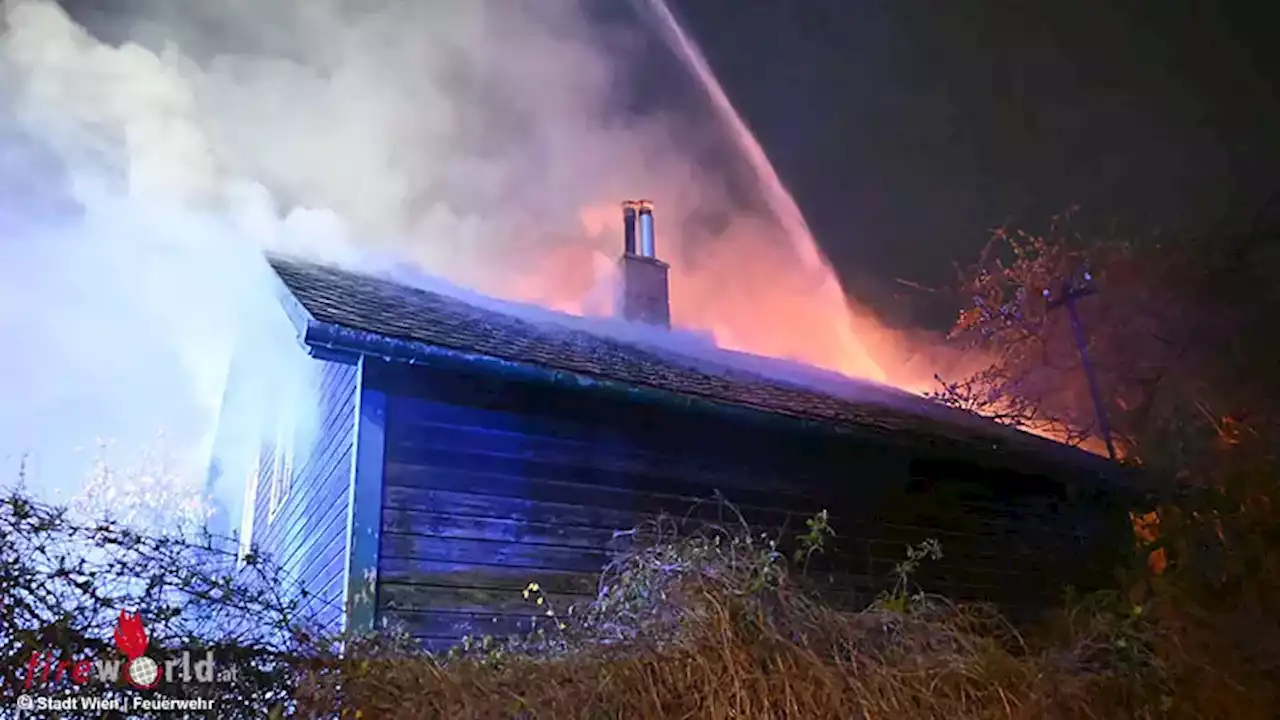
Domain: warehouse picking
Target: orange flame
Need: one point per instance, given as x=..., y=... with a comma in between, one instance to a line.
x=749, y=291
x=746, y=289
x=1146, y=530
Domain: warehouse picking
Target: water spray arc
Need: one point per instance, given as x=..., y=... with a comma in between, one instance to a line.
x=824, y=287
x=781, y=204
x=347, y=138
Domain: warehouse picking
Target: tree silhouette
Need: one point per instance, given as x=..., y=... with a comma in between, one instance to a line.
x=1176, y=330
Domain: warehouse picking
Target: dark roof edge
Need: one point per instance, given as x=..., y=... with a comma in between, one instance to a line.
x=326, y=339
x=329, y=337
x=322, y=339
x=299, y=317
x=341, y=343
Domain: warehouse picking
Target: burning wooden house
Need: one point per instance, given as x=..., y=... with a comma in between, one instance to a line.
x=464, y=450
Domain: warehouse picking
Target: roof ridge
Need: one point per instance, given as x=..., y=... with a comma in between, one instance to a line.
x=367, y=300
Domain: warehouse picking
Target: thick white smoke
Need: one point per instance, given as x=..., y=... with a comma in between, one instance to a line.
x=487, y=141
x=143, y=177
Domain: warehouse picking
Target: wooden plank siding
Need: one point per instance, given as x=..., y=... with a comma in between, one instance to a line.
x=364, y=517
x=491, y=484
x=308, y=536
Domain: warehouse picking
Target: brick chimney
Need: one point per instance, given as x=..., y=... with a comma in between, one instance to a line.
x=644, y=296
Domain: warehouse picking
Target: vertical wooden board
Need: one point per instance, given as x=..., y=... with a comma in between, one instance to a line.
x=305, y=538
x=365, y=505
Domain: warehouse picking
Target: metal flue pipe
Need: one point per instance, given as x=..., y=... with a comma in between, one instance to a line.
x=629, y=227
x=647, y=248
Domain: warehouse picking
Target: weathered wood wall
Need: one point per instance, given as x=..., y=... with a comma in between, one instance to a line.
x=1015, y=538
x=492, y=484
x=308, y=536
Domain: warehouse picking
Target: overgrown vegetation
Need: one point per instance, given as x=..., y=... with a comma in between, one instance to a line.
x=1186, y=367
x=64, y=581
x=1177, y=332
x=715, y=623
x=720, y=621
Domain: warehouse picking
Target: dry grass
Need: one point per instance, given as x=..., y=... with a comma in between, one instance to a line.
x=713, y=626
x=727, y=669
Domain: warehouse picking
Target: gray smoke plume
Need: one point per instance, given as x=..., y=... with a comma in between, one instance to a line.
x=147, y=164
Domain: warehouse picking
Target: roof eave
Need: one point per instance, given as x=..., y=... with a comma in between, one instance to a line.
x=332, y=338
x=299, y=317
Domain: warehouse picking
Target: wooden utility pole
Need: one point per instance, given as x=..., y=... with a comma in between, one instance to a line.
x=1068, y=296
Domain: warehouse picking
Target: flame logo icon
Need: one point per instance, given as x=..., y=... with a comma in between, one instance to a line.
x=131, y=638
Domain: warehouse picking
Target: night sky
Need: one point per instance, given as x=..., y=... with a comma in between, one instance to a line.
x=907, y=128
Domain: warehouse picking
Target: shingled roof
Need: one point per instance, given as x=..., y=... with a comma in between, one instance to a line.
x=368, y=305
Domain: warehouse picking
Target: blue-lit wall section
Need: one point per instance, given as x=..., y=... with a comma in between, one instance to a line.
x=308, y=535
x=491, y=482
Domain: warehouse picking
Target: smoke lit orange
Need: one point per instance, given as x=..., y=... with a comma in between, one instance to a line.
x=746, y=289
